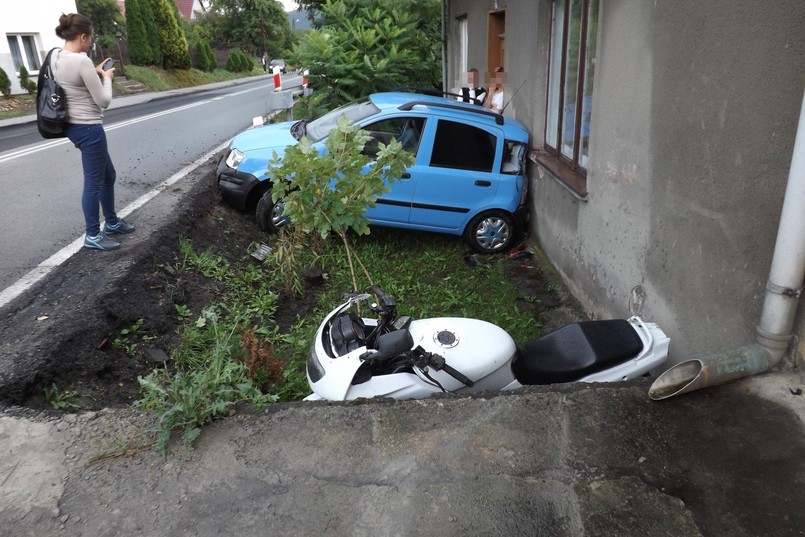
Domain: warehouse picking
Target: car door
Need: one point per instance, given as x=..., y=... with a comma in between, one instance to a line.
x=459, y=177
x=394, y=206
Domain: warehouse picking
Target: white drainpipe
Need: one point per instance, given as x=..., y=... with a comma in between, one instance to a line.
x=775, y=331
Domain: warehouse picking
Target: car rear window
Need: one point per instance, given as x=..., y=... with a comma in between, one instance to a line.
x=318, y=129
x=464, y=147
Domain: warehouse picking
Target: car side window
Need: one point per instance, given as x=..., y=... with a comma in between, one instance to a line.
x=406, y=130
x=462, y=146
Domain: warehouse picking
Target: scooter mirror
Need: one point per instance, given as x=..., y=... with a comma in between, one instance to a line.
x=393, y=343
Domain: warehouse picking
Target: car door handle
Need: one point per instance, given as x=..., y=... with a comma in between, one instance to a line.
x=405, y=175
x=481, y=182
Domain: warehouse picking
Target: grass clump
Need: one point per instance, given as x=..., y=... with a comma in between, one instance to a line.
x=201, y=390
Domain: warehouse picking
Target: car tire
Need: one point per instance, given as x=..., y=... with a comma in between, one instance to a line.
x=490, y=232
x=269, y=214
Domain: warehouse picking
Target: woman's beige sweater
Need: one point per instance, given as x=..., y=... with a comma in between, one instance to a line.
x=86, y=95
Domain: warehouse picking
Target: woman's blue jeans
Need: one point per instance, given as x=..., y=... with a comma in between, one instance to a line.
x=99, y=175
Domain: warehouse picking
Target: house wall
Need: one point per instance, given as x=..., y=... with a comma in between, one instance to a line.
x=695, y=108
x=36, y=17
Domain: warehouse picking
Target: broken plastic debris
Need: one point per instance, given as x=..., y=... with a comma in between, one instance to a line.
x=42, y=318
x=262, y=251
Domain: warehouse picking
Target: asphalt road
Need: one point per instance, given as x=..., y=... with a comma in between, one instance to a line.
x=41, y=180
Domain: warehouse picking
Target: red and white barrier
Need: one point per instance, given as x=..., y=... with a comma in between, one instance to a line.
x=277, y=78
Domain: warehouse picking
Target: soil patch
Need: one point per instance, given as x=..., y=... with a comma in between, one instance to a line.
x=91, y=335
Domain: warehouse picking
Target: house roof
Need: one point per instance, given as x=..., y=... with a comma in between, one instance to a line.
x=185, y=8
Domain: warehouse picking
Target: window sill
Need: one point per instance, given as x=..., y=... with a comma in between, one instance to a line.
x=574, y=182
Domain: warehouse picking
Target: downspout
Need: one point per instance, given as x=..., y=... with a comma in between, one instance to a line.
x=774, y=333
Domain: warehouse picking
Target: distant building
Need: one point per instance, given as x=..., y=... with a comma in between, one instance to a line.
x=29, y=30
x=188, y=9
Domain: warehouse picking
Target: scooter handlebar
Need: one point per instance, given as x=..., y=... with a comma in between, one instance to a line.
x=440, y=364
x=458, y=375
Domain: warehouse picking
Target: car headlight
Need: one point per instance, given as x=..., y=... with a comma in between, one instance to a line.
x=234, y=159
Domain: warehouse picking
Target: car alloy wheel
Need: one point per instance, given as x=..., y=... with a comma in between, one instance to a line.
x=490, y=232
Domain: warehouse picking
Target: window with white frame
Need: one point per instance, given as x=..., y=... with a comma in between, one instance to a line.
x=24, y=51
x=463, y=45
x=571, y=73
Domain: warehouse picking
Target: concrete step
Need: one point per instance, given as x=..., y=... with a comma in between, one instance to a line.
x=130, y=86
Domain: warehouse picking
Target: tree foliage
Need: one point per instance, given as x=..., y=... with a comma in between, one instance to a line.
x=205, y=59
x=238, y=62
x=106, y=19
x=171, y=38
x=256, y=26
x=142, y=50
x=5, y=83
x=329, y=192
x=365, y=46
x=26, y=82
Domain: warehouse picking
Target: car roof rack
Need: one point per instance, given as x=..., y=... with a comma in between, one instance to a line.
x=426, y=91
x=437, y=93
x=471, y=109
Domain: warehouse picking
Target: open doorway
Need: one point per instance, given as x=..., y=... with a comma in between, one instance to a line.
x=496, y=40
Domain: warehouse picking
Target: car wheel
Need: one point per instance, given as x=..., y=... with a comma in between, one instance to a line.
x=269, y=214
x=490, y=232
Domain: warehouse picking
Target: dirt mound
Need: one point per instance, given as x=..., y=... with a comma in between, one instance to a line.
x=78, y=329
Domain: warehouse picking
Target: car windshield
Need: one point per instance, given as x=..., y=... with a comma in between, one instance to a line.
x=319, y=129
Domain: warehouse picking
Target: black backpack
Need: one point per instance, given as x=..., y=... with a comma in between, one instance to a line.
x=51, y=103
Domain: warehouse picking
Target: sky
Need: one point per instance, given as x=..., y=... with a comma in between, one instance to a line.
x=290, y=5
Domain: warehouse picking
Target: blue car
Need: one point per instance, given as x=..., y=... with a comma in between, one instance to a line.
x=468, y=179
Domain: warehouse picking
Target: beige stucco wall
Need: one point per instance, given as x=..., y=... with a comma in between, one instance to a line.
x=694, y=116
x=33, y=17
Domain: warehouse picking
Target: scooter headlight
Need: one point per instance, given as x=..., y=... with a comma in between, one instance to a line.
x=314, y=368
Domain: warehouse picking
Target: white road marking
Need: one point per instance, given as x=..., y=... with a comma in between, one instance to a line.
x=47, y=145
x=41, y=270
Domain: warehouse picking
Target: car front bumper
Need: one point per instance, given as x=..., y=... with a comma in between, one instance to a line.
x=234, y=186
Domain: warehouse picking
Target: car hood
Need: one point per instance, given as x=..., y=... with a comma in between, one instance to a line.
x=268, y=137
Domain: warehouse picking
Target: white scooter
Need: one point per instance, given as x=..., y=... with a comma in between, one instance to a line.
x=396, y=356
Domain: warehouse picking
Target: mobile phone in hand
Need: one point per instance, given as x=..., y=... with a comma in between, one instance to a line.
x=108, y=64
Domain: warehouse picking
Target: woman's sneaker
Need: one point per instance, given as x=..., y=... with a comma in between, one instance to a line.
x=120, y=227
x=100, y=242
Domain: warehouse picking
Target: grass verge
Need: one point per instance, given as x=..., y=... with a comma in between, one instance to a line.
x=158, y=79
x=240, y=350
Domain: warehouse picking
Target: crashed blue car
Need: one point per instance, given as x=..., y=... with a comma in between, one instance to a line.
x=468, y=179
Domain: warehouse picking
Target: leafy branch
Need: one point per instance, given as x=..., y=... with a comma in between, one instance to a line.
x=329, y=192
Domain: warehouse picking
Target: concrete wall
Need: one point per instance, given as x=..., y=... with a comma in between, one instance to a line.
x=693, y=123
x=34, y=17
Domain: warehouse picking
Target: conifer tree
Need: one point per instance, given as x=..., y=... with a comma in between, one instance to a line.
x=151, y=31
x=140, y=51
x=5, y=83
x=172, y=41
x=26, y=82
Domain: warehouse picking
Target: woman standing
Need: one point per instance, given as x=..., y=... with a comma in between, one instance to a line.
x=89, y=90
x=494, y=99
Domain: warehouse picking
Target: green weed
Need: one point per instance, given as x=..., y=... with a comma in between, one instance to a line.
x=191, y=397
x=61, y=400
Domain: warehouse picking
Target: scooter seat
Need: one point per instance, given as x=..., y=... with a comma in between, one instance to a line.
x=575, y=351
